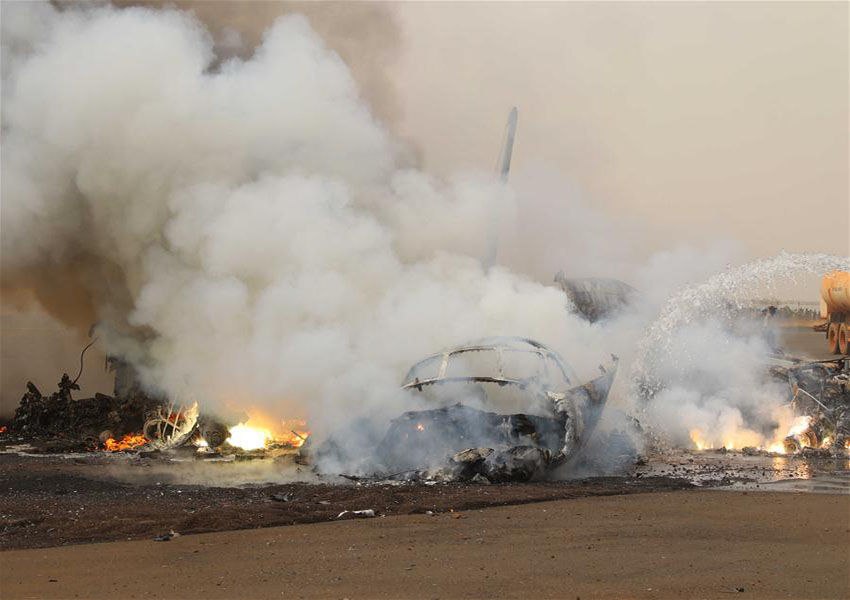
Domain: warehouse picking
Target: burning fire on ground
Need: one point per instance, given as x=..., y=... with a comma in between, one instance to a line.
x=255, y=433
x=259, y=431
x=128, y=442
x=801, y=434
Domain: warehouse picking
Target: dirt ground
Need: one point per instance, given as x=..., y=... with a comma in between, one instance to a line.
x=51, y=501
x=801, y=341
x=685, y=544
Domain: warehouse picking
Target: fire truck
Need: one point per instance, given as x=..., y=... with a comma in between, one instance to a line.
x=835, y=308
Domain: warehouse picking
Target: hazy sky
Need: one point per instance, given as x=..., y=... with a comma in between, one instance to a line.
x=707, y=119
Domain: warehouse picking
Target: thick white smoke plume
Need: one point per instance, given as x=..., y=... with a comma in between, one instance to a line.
x=271, y=251
x=247, y=234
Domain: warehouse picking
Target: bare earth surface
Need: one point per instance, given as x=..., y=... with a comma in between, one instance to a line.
x=802, y=342
x=51, y=501
x=686, y=544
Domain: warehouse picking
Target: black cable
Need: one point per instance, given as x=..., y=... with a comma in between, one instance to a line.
x=82, y=354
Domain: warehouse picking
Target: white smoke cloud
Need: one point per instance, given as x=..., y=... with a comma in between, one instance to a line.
x=273, y=252
x=716, y=383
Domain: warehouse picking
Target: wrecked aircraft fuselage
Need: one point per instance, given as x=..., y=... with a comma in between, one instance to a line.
x=507, y=409
x=428, y=437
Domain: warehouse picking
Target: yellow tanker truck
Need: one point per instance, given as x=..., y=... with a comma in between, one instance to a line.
x=835, y=308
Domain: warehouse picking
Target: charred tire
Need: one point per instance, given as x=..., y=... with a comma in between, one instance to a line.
x=842, y=339
x=832, y=338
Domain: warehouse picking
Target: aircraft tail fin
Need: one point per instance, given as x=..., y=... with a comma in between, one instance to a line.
x=504, y=168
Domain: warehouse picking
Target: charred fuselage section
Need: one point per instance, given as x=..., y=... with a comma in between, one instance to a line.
x=506, y=409
x=429, y=437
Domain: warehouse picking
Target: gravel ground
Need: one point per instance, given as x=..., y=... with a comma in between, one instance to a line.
x=52, y=501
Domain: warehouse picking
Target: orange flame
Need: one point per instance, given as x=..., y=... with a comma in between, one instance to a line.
x=290, y=432
x=795, y=426
x=128, y=442
x=295, y=438
x=261, y=431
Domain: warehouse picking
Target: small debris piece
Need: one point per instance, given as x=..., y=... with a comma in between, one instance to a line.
x=816, y=453
x=362, y=514
x=282, y=497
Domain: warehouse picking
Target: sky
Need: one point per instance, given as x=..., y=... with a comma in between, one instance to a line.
x=693, y=121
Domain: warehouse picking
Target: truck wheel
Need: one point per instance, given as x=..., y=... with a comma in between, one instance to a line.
x=842, y=339
x=832, y=338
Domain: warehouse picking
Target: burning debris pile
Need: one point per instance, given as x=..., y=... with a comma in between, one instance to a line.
x=818, y=400
x=131, y=419
x=68, y=424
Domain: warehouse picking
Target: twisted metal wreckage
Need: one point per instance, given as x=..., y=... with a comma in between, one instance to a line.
x=503, y=409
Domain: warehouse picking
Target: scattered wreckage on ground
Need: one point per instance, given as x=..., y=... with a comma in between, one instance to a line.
x=504, y=409
x=496, y=410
